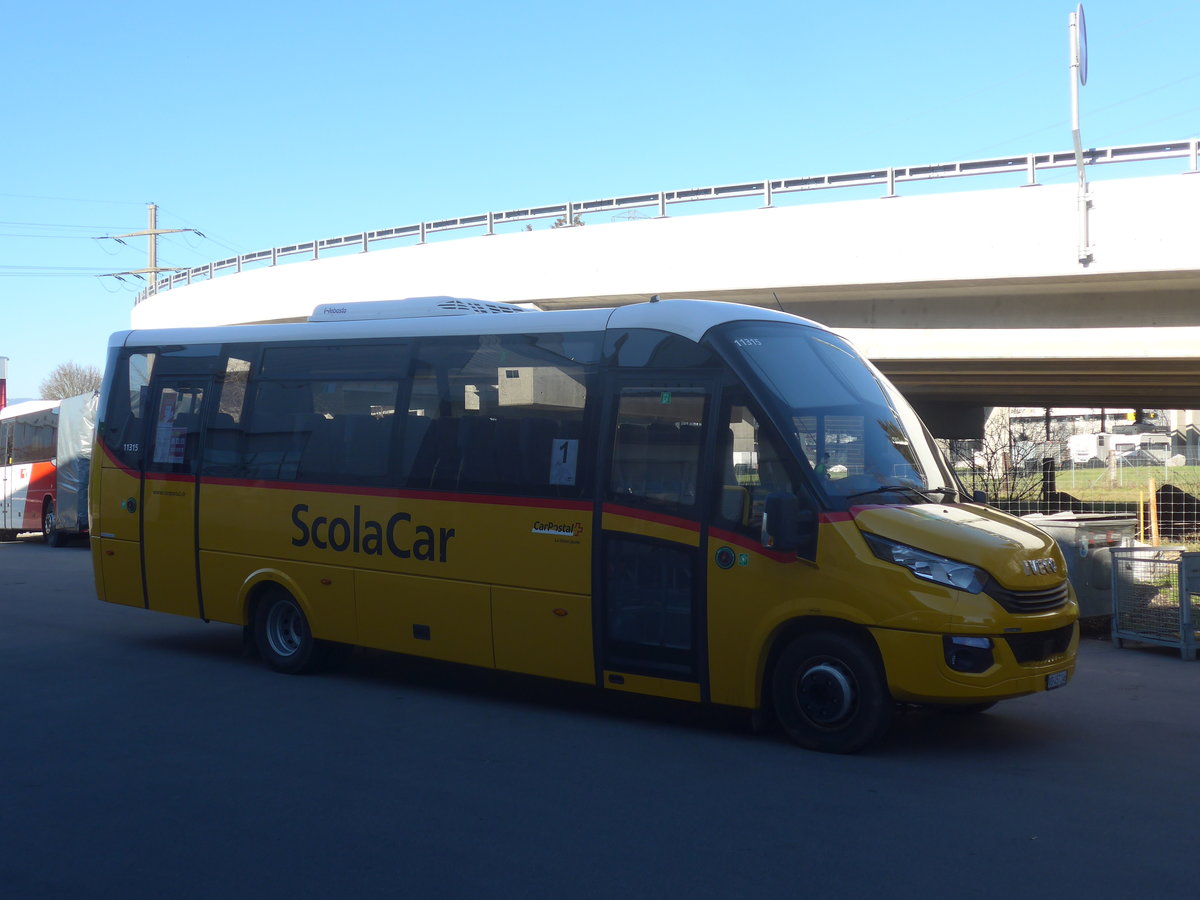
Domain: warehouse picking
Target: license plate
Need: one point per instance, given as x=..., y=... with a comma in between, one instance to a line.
x=1055, y=680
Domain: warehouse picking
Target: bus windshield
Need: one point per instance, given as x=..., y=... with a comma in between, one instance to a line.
x=859, y=436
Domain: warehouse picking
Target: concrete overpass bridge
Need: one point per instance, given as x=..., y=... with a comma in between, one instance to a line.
x=1016, y=295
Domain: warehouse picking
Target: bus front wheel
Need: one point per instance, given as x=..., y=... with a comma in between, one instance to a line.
x=830, y=693
x=282, y=635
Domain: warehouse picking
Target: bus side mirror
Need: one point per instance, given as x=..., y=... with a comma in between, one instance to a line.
x=786, y=527
x=980, y=497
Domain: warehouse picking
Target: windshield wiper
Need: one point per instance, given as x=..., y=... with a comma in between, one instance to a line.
x=894, y=489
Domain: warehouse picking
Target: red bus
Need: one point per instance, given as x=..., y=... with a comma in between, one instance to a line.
x=28, y=444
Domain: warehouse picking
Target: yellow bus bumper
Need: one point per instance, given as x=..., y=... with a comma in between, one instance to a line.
x=917, y=671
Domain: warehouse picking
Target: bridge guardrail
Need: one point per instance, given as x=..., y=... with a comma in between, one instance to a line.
x=766, y=189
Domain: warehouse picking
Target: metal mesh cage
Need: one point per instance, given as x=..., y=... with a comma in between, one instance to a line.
x=1153, y=599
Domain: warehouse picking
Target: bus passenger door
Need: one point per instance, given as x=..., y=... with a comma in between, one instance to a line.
x=649, y=573
x=170, y=494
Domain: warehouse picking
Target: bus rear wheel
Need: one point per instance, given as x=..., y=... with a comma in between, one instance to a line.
x=830, y=693
x=50, y=533
x=282, y=635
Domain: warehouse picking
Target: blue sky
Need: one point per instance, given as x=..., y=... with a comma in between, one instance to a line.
x=263, y=124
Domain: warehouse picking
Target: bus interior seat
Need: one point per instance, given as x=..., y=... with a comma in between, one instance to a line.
x=672, y=455
x=480, y=470
x=223, y=446
x=275, y=442
x=366, y=446
x=629, y=460
x=439, y=458
x=537, y=445
x=508, y=453
x=412, y=444
x=321, y=457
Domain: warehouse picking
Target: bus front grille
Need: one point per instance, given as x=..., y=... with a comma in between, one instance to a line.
x=1039, y=646
x=1027, y=601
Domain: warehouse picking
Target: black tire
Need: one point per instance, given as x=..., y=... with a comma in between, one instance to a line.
x=50, y=533
x=7, y=535
x=830, y=693
x=282, y=635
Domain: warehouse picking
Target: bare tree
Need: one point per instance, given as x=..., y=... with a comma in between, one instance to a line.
x=69, y=380
x=1008, y=462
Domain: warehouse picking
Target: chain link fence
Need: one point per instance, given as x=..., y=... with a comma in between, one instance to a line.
x=1159, y=495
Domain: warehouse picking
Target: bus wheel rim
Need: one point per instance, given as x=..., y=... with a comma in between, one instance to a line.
x=825, y=693
x=285, y=629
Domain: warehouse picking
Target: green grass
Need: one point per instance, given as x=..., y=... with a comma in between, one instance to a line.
x=1097, y=485
x=1129, y=485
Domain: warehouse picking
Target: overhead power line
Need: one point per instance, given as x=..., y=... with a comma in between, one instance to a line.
x=152, y=231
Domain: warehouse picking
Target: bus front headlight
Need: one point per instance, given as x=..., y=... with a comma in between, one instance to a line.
x=929, y=566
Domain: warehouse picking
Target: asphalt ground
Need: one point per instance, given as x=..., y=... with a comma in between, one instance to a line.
x=145, y=755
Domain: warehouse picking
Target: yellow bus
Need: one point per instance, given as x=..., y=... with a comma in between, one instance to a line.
x=696, y=500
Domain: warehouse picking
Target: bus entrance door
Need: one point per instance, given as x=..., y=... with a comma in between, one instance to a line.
x=170, y=495
x=649, y=571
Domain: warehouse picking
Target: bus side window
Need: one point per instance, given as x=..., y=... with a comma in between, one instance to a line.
x=496, y=414
x=751, y=467
x=657, y=447
x=336, y=431
x=176, y=430
x=124, y=419
x=223, y=440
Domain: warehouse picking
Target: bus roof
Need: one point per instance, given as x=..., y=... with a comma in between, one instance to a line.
x=26, y=407
x=689, y=318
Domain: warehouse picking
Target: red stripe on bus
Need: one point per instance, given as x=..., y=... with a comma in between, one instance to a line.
x=647, y=516
x=722, y=536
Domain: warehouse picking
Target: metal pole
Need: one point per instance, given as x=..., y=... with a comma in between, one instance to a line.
x=152, y=242
x=1083, y=201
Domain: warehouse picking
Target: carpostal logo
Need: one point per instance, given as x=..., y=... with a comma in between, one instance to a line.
x=569, y=529
x=399, y=536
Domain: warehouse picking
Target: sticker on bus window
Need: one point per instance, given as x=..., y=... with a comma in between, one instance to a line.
x=564, y=457
x=170, y=443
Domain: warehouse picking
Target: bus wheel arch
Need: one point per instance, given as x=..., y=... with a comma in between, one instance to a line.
x=276, y=622
x=825, y=684
x=282, y=634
